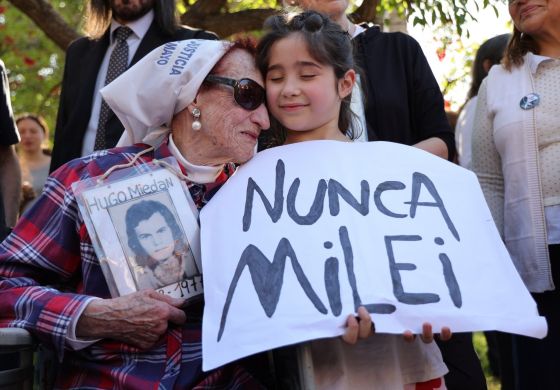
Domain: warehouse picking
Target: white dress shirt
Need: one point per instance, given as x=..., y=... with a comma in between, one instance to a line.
x=139, y=28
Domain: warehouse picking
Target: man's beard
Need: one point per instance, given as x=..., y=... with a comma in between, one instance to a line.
x=128, y=12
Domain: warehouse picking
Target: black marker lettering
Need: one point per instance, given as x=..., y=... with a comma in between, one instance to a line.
x=396, y=268
x=337, y=190
x=268, y=279
x=316, y=209
x=419, y=179
x=381, y=188
x=274, y=212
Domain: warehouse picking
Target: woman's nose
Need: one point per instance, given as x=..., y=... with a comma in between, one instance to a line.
x=260, y=117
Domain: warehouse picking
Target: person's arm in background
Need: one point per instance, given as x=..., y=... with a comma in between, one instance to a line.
x=10, y=183
x=434, y=132
x=435, y=146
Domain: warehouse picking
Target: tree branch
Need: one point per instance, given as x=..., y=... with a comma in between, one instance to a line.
x=48, y=20
x=231, y=23
x=206, y=7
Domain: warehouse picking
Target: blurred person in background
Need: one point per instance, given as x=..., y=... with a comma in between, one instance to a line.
x=516, y=155
x=34, y=158
x=490, y=53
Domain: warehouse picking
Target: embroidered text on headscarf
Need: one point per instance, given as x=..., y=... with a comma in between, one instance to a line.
x=183, y=58
x=147, y=96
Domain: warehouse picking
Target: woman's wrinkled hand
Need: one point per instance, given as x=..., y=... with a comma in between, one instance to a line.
x=140, y=319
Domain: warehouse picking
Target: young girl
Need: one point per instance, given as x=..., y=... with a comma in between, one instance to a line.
x=307, y=64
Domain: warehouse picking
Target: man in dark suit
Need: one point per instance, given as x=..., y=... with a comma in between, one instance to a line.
x=153, y=23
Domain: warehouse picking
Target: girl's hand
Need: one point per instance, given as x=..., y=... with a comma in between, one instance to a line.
x=359, y=327
x=427, y=336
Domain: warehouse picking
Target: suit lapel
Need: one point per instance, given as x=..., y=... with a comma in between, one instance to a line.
x=151, y=40
x=91, y=62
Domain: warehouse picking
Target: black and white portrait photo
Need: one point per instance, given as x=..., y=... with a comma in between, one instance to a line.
x=158, y=249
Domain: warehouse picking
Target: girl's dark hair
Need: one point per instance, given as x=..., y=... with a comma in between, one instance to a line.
x=142, y=211
x=493, y=50
x=519, y=45
x=98, y=17
x=326, y=42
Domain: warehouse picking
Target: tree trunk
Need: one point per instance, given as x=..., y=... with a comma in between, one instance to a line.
x=206, y=7
x=225, y=24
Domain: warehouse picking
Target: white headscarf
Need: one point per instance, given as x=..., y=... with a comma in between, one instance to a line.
x=160, y=85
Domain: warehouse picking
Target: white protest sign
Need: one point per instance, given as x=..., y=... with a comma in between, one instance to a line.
x=303, y=234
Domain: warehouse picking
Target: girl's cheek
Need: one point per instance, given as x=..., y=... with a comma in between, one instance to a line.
x=270, y=95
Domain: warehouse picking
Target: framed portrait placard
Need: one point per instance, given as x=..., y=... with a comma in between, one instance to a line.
x=144, y=228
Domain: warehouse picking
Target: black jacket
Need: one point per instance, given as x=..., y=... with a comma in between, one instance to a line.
x=8, y=131
x=83, y=59
x=8, y=135
x=403, y=101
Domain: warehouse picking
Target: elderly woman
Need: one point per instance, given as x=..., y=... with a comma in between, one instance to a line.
x=210, y=95
x=516, y=155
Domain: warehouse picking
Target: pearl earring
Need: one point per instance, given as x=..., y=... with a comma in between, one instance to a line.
x=196, y=125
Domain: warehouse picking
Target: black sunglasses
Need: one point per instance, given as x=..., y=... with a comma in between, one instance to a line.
x=246, y=92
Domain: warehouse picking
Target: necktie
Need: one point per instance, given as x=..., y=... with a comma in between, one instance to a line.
x=117, y=64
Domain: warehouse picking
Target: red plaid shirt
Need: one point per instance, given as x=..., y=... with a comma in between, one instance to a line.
x=50, y=247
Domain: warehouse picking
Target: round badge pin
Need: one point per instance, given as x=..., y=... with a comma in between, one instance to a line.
x=530, y=101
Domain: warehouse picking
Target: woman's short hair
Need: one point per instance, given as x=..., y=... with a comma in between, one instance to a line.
x=326, y=42
x=142, y=211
